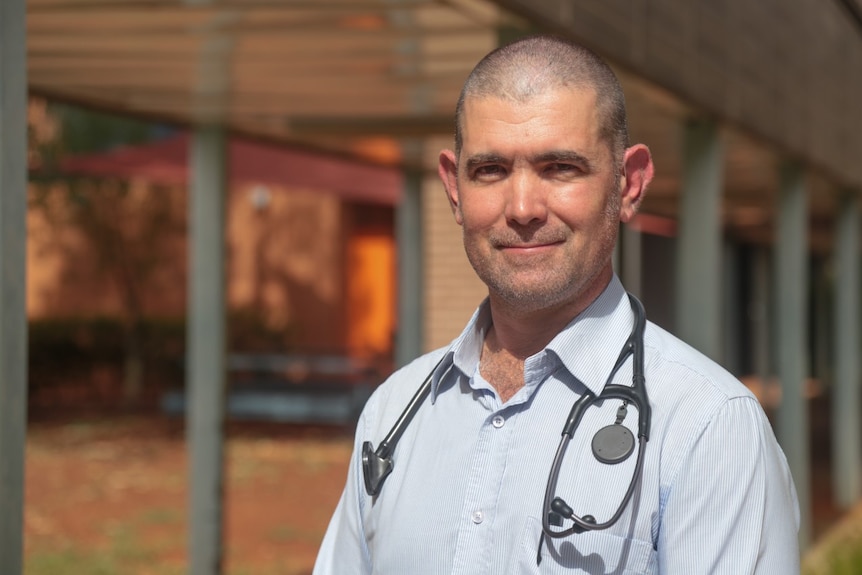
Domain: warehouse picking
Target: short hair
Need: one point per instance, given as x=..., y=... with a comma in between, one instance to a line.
x=535, y=64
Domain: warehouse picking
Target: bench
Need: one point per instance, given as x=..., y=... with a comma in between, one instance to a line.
x=290, y=388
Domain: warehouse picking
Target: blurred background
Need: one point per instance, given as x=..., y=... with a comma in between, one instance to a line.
x=234, y=232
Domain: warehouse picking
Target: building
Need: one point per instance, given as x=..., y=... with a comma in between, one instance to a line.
x=751, y=111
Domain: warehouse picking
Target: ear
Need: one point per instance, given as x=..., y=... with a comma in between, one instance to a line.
x=447, y=168
x=637, y=174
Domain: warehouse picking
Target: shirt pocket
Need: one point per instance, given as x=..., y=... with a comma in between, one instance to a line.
x=589, y=553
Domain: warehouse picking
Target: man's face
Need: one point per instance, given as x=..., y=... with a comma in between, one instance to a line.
x=538, y=197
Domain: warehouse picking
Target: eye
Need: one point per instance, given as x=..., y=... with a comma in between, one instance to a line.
x=563, y=169
x=488, y=172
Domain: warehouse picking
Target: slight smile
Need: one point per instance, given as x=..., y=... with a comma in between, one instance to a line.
x=529, y=248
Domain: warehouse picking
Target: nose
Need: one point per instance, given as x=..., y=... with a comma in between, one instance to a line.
x=527, y=201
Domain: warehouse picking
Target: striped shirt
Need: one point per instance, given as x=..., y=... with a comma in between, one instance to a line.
x=466, y=492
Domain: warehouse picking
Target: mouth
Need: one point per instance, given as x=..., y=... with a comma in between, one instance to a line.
x=525, y=242
x=529, y=248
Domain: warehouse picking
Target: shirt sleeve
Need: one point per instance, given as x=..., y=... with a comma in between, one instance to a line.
x=344, y=550
x=732, y=507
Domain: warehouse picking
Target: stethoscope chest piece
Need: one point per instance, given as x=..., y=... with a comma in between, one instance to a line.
x=613, y=444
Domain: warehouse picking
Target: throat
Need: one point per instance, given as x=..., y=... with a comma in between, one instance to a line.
x=503, y=371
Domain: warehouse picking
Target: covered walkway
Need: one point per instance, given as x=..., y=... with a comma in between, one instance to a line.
x=751, y=110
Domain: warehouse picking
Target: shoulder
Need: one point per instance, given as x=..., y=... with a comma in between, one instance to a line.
x=678, y=371
x=392, y=396
x=692, y=396
x=689, y=392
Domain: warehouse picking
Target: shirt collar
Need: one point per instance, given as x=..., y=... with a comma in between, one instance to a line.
x=587, y=347
x=465, y=351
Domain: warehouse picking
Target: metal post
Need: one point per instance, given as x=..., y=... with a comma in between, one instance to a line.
x=846, y=391
x=13, y=288
x=791, y=328
x=698, y=275
x=206, y=349
x=732, y=302
x=408, y=218
x=630, y=245
x=761, y=325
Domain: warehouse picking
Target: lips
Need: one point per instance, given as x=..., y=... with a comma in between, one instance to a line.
x=532, y=246
x=511, y=243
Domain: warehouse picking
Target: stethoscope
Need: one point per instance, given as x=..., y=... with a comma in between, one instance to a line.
x=611, y=444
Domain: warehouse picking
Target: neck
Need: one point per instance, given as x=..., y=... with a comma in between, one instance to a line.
x=521, y=332
x=513, y=338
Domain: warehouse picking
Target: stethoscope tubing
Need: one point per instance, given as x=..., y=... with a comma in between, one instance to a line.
x=579, y=524
x=636, y=395
x=377, y=463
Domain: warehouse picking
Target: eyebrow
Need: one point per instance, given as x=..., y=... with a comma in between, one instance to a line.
x=478, y=159
x=563, y=156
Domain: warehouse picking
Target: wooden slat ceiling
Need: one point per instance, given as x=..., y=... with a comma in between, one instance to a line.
x=375, y=79
x=330, y=73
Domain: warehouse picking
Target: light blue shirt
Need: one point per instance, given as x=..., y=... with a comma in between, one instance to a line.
x=466, y=492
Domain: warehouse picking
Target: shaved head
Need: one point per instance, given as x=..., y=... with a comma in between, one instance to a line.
x=538, y=64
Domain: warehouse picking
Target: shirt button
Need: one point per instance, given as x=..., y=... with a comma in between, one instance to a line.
x=478, y=517
x=498, y=421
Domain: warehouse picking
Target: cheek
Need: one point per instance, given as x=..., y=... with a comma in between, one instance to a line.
x=479, y=211
x=583, y=210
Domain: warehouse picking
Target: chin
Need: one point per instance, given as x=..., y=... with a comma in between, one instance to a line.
x=532, y=300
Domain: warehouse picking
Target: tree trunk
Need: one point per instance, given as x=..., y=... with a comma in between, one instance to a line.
x=133, y=366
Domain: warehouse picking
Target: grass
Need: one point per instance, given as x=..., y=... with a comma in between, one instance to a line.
x=131, y=473
x=839, y=552
x=844, y=559
x=124, y=553
x=70, y=562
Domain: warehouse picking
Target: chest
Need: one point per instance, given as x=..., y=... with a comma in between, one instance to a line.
x=467, y=491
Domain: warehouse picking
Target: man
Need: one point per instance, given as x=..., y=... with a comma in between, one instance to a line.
x=539, y=180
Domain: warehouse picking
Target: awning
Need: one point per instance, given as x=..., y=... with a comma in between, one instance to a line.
x=167, y=161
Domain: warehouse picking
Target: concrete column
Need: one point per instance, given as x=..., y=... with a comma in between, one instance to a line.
x=761, y=325
x=731, y=302
x=698, y=271
x=205, y=368
x=408, y=223
x=630, y=258
x=846, y=391
x=13, y=286
x=791, y=329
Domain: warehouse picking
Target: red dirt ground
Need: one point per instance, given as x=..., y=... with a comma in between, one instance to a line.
x=116, y=487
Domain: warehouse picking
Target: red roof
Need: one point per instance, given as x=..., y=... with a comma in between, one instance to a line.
x=166, y=161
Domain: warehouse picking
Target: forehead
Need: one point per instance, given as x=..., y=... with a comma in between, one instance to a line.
x=555, y=118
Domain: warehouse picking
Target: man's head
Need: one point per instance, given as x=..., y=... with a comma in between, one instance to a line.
x=542, y=175
x=533, y=65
